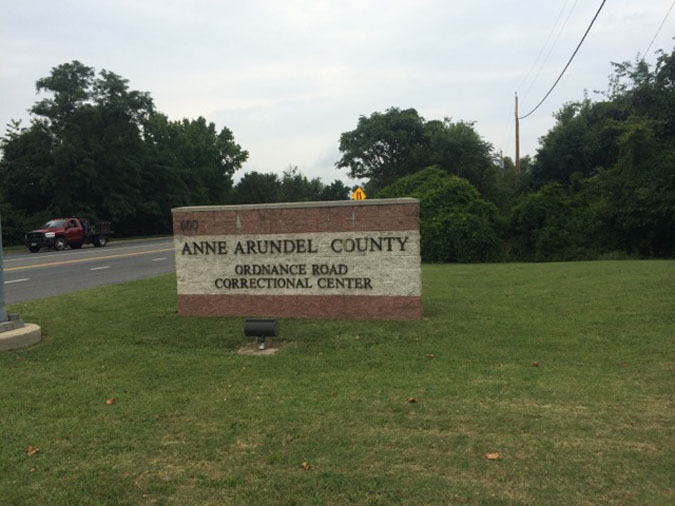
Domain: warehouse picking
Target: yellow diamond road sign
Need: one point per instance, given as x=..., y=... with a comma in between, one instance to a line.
x=359, y=194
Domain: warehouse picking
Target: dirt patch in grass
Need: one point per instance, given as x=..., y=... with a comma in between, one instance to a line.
x=271, y=347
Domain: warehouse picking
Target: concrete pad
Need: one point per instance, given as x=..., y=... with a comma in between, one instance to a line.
x=252, y=349
x=20, y=338
x=259, y=353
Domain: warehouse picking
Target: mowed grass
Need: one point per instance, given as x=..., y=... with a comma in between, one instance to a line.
x=193, y=422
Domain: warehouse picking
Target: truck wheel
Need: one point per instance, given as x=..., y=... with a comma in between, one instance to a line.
x=33, y=249
x=76, y=245
x=60, y=244
x=100, y=241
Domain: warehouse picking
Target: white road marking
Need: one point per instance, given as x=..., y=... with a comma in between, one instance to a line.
x=85, y=259
x=17, y=281
x=158, y=259
x=99, y=268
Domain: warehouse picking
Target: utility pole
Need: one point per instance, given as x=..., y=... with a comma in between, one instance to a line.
x=3, y=312
x=516, y=169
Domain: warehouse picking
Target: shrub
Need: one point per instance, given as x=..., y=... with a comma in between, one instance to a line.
x=456, y=224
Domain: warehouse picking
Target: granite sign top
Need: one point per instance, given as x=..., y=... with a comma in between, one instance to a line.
x=297, y=205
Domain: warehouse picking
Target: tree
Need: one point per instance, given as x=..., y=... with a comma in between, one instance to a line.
x=616, y=158
x=257, y=188
x=635, y=198
x=587, y=135
x=70, y=85
x=549, y=225
x=26, y=154
x=98, y=148
x=382, y=147
x=390, y=145
x=337, y=190
x=584, y=138
x=457, y=148
x=86, y=152
x=295, y=187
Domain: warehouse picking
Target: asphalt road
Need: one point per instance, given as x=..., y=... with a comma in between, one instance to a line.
x=36, y=275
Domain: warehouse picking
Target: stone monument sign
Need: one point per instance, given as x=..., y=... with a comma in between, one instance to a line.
x=337, y=259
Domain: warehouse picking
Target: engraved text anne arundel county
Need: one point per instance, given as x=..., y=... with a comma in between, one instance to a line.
x=288, y=246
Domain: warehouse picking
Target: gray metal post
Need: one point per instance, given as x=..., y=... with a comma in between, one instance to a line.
x=3, y=312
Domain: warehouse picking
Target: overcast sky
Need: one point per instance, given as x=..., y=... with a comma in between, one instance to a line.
x=289, y=76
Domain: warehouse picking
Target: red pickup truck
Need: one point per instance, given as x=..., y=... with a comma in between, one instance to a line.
x=74, y=232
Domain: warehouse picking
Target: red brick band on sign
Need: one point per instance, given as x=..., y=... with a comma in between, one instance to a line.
x=359, y=307
x=351, y=218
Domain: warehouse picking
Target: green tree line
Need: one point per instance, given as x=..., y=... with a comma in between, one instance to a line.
x=96, y=148
x=601, y=184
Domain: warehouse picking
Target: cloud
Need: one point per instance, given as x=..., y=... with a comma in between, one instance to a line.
x=289, y=77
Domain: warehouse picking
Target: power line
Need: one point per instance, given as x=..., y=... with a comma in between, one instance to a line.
x=506, y=137
x=659, y=30
x=568, y=63
x=508, y=132
x=555, y=41
x=541, y=50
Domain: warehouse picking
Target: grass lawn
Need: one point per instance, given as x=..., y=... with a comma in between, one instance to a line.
x=193, y=422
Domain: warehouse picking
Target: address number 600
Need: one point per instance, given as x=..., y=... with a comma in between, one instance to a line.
x=186, y=225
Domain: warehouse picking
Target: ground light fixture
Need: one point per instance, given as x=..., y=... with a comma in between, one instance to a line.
x=261, y=328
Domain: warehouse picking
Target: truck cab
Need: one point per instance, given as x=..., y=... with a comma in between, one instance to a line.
x=74, y=232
